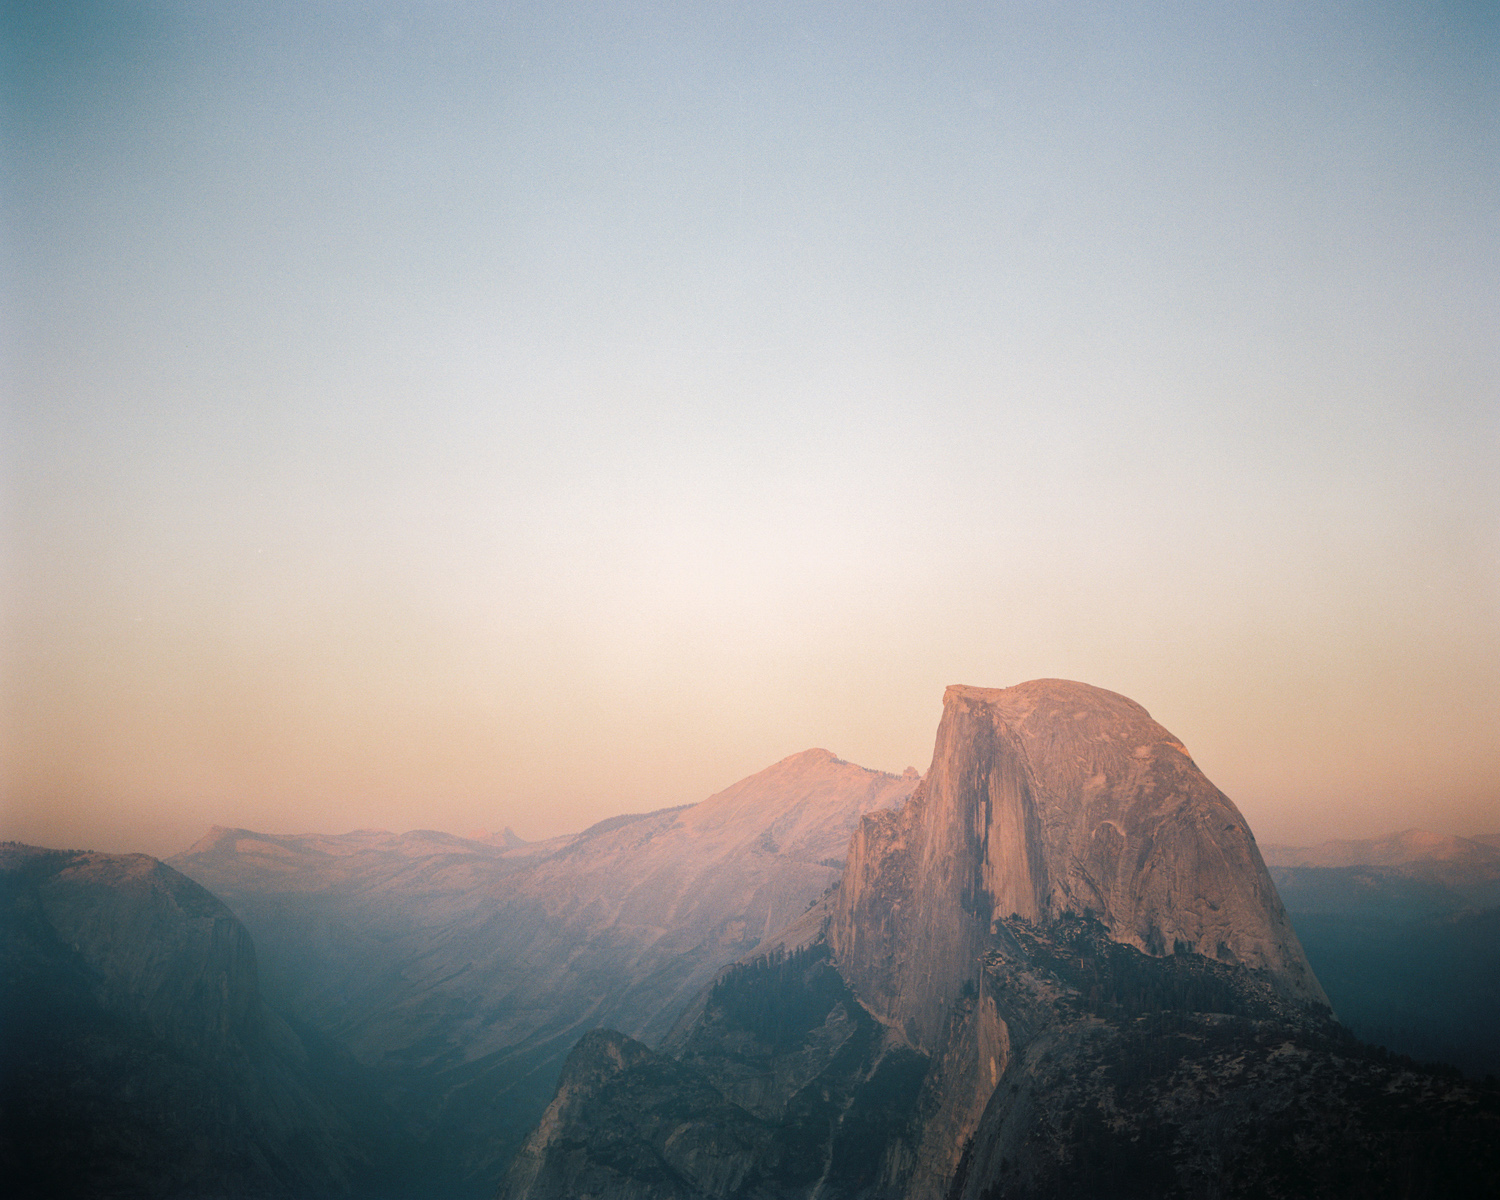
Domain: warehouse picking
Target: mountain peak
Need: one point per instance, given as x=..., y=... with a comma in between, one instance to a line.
x=1075, y=713
x=1042, y=693
x=217, y=838
x=1046, y=799
x=815, y=754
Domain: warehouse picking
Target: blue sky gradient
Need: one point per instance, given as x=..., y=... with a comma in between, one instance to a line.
x=455, y=415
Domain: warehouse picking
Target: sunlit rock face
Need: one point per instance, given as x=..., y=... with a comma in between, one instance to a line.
x=1046, y=799
x=138, y=1058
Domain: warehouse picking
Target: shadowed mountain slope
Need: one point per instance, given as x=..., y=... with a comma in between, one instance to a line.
x=467, y=970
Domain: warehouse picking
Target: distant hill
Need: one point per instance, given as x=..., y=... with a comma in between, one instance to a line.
x=1396, y=849
x=506, y=839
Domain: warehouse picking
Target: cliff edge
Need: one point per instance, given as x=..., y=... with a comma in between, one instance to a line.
x=1048, y=799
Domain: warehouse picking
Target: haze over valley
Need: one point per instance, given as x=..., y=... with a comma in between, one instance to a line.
x=423, y=1014
x=580, y=586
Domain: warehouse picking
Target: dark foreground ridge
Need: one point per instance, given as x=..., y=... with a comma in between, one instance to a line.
x=1060, y=970
x=1128, y=1076
x=138, y=1059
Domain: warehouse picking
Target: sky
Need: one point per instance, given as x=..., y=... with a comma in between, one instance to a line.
x=455, y=415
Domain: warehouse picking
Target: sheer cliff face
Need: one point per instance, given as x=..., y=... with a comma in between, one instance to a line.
x=1046, y=799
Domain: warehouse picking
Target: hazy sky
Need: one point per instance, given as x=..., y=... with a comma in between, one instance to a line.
x=456, y=415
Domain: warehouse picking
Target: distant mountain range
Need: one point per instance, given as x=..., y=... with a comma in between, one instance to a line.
x=1404, y=932
x=1408, y=847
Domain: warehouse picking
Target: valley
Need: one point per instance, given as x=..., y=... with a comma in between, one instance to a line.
x=458, y=973
x=1404, y=932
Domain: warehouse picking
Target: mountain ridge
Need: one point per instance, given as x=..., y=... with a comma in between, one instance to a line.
x=1391, y=850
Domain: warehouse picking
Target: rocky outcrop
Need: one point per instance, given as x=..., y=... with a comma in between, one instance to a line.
x=786, y=1087
x=1181, y=1076
x=138, y=1057
x=645, y=1120
x=1108, y=1072
x=1043, y=800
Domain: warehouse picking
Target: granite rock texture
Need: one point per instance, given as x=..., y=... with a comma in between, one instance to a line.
x=1047, y=799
